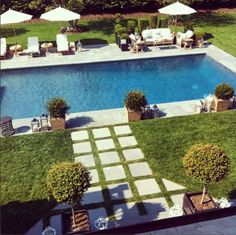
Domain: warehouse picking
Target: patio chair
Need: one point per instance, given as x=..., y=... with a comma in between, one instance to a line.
x=33, y=46
x=180, y=37
x=3, y=49
x=62, y=43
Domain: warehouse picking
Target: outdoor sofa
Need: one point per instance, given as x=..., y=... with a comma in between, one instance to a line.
x=159, y=36
x=181, y=37
x=3, y=49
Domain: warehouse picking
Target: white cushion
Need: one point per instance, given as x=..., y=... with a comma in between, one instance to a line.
x=132, y=37
x=189, y=34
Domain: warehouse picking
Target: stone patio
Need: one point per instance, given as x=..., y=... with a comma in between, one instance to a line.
x=114, y=173
x=127, y=141
x=84, y=147
x=105, y=144
x=122, y=130
x=147, y=186
x=109, y=157
x=133, y=154
x=94, y=175
x=86, y=160
x=101, y=133
x=79, y=135
x=93, y=195
x=171, y=186
x=120, y=191
x=139, y=169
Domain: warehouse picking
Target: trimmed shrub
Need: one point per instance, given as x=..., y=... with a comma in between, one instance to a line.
x=135, y=100
x=117, y=27
x=67, y=182
x=131, y=24
x=224, y=91
x=118, y=18
x=207, y=163
x=188, y=26
x=163, y=23
x=57, y=107
x=121, y=30
x=142, y=24
x=124, y=36
x=153, y=21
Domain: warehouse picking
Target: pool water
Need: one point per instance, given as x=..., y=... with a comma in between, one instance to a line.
x=86, y=87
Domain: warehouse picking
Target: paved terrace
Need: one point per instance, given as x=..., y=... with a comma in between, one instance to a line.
x=111, y=52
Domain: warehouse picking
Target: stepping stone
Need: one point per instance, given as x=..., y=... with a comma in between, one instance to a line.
x=84, y=147
x=105, y=144
x=114, y=173
x=122, y=130
x=61, y=206
x=86, y=160
x=126, y=213
x=55, y=222
x=94, y=214
x=120, y=191
x=93, y=195
x=109, y=157
x=133, y=154
x=94, y=174
x=157, y=208
x=101, y=133
x=139, y=169
x=171, y=186
x=79, y=135
x=127, y=141
x=147, y=186
x=178, y=199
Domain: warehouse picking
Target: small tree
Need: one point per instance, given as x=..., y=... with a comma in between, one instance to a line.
x=206, y=162
x=67, y=182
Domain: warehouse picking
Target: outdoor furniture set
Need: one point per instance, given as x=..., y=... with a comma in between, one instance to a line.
x=41, y=124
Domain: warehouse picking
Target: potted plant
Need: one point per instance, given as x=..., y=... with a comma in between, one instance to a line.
x=199, y=37
x=207, y=163
x=135, y=101
x=57, y=109
x=66, y=183
x=223, y=93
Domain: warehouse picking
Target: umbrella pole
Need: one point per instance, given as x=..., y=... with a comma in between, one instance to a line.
x=176, y=23
x=14, y=33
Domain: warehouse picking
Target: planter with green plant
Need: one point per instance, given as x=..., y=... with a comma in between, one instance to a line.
x=57, y=109
x=66, y=183
x=223, y=93
x=199, y=35
x=135, y=101
x=207, y=163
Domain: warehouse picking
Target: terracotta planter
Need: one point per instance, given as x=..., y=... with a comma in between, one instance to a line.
x=134, y=116
x=221, y=105
x=58, y=123
x=190, y=208
x=81, y=221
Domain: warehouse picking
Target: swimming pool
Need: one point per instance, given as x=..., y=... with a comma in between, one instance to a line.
x=86, y=87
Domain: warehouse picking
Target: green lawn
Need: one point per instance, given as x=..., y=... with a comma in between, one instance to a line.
x=26, y=159
x=220, y=30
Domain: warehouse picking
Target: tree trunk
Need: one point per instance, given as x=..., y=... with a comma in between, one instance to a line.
x=203, y=194
x=73, y=214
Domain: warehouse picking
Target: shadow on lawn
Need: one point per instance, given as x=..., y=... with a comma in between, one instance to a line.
x=17, y=217
x=105, y=25
x=8, y=32
x=93, y=41
x=212, y=19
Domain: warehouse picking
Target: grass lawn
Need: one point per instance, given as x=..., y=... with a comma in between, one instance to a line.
x=25, y=161
x=219, y=27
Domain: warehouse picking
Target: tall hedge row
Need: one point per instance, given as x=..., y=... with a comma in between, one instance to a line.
x=37, y=7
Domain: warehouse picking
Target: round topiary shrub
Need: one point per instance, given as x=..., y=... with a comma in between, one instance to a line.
x=207, y=163
x=67, y=182
x=224, y=91
x=57, y=107
x=124, y=36
x=135, y=100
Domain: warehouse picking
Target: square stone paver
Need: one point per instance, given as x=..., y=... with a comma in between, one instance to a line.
x=105, y=144
x=86, y=160
x=126, y=211
x=139, y=169
x=120, y=191
x=127, y=141
x=101, y=133
x=157, y=208
x=94, y=175
x=147, y=186
x=133, y=154
x=94, y=214
x=114, y=172
x=171, y=186
x=122, y=130
x=84, y=147
x=93, y=195
x=178, y=199
x=79, y=135
x=109, y=157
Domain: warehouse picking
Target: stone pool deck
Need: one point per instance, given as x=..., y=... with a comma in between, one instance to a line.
x=111, y=52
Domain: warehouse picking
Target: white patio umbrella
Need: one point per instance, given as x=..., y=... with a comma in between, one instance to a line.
x=177, y=8
x=60, y=14
x=12, y=17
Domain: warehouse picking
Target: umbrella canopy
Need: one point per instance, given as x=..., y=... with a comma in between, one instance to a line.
x=177, y=8
x=60, y=14
x=12, y=17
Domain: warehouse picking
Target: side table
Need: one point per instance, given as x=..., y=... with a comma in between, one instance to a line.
x=6, y=126
x=46, y=46
x=15, y=49
x=188, y=42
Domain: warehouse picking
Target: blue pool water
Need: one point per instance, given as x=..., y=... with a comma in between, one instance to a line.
x=24, y=92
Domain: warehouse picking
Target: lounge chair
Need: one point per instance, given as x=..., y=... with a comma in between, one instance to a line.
x=62, y=43
x=33, y=46
x=181, y=37
x=3, y=49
